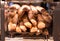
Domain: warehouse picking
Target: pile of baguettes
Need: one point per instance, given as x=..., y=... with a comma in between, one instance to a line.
x=27, y=17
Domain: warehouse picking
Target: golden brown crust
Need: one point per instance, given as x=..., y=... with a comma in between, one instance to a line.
x=28, y=17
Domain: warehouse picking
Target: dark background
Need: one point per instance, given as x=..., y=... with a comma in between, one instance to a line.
x=56, y=0
x=56, y=23
x=3, y=0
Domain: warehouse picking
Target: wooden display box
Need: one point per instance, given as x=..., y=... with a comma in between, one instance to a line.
x=10, y=34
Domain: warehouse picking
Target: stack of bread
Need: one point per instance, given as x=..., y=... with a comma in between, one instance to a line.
x=27, y=17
